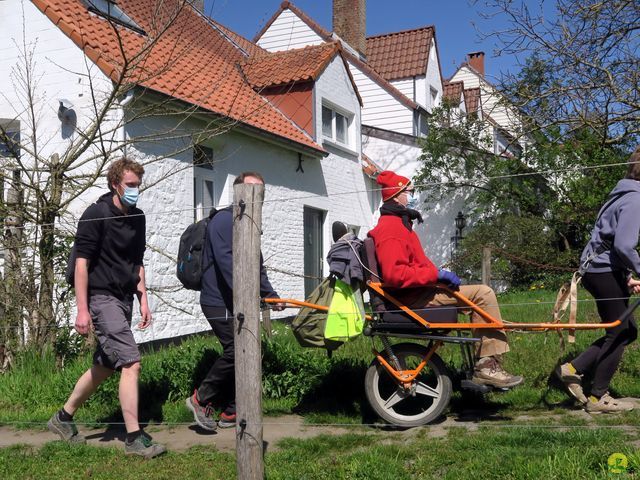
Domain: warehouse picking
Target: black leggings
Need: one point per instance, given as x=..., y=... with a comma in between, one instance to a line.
x=602, y=358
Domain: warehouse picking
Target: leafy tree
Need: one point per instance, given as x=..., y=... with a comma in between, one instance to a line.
x=583, y=70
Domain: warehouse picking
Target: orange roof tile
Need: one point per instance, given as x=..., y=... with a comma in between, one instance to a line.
x=247, y=45
x=472, y=100
x=400, y=54
x=452, y=91
x=289, y=66
x=182, y=56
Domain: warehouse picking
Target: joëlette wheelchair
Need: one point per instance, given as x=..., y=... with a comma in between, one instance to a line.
x=407, y=383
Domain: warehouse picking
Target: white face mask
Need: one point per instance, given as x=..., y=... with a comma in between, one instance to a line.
x=129, y=196
x=412, y=200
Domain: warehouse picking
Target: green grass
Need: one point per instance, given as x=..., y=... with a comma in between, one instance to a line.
x=306, y=381
x=490, y=453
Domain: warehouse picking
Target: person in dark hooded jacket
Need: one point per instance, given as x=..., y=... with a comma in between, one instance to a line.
x=609, y=260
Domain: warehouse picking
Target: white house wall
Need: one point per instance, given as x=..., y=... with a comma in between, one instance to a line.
x=433, y=79
x=288, y=32
x=438, y=228
x=347, y=199
x=491, y=100
x=58, y=70
x=406, y=86
x=169, y=209
x=381, y=109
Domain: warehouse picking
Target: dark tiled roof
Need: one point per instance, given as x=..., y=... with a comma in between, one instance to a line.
x=472, y=100
x=290, y=66
x=189, y=59
x=452, y=91
x=247, y=45
x=400, y=54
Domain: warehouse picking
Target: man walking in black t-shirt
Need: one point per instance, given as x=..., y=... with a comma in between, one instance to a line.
x=109, y=270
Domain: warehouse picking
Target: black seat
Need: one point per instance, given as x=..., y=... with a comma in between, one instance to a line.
x=391, y=317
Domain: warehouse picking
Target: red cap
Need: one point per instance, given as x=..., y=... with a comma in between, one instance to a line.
x=391, y=184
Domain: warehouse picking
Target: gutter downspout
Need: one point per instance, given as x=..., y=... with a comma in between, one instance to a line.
x=123, y=134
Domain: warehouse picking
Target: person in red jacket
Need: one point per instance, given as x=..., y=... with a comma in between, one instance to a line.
x=406, y=269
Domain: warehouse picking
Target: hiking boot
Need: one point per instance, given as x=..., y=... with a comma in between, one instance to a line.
x=66, y=430
x=607, y=404
x=144, y=446
x=572, y=382
x=227, y=420
x=488, y=371
x=203, y=416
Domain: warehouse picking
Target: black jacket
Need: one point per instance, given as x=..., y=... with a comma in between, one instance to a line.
x=114, y=247
x=217, y=281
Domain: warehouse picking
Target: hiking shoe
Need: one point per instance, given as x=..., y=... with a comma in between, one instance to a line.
x=607, y=404
x=227, y=420
x=144, y=446
x=572, y=382
x=488, y=371
x=202, y=415
x=66, y=430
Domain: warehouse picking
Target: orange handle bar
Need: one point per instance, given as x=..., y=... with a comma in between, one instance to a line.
x=491, y=321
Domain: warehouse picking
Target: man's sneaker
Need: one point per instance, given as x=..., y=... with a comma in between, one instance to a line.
x=488, y=371
x=607, y=404
x=572, y=382
x=227, y=420
x=202, y=415
x=144, y=447
x=66, y=430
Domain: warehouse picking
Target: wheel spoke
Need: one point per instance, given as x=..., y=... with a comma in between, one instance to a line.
x=394, y=399
x=424, y=389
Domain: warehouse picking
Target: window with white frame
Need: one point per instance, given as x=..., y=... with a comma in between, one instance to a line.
x=336, y=126
x=203, y=181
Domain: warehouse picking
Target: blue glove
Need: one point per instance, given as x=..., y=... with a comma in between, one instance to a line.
x=450, y=278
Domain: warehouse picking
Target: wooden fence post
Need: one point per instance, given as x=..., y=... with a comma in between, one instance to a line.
x=266, y=321
x=247, y=221
x=486, y=266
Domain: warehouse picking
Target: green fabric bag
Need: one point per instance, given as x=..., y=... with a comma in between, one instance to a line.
x=345, y=319
x=309, y=325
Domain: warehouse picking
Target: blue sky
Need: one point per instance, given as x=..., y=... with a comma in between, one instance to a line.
x=454, y=21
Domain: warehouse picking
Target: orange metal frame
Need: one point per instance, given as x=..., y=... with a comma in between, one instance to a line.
x=406, y=377
x=491, y=322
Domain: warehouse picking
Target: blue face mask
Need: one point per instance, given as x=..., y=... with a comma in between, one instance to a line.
x=412, y=201
x=130, y=196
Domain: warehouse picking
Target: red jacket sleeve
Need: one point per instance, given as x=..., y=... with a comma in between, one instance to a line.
x=397, y=268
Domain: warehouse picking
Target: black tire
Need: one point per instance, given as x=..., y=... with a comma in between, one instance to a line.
x=431, y=389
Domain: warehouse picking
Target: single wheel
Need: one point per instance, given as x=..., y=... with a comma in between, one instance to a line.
x=427, y=398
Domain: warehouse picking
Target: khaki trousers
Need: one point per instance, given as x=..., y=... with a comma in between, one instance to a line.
x=493, y=341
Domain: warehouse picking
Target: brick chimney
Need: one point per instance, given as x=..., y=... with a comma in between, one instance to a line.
x=476, y=61
x=350, y=23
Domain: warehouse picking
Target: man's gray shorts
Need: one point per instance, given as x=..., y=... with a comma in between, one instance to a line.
x=112, y=327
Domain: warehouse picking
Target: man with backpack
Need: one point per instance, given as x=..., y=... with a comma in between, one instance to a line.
x=109, y=250
x=216, y=301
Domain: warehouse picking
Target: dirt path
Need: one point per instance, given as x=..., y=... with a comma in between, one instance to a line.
x=182, y=437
